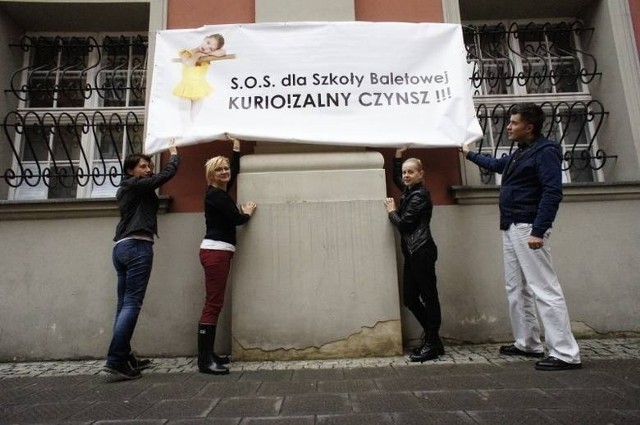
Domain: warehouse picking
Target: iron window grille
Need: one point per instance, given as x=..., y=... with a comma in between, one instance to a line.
x=544, y=63
x=80, y=112
x=574, y=126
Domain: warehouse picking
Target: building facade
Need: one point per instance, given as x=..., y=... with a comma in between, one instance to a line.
x=73, y=105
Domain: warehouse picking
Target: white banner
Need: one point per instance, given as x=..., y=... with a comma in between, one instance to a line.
x=342, y=83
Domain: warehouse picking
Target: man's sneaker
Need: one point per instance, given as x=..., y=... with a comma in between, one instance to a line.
x=140, y=364
x=122, y=371
x=512, y=350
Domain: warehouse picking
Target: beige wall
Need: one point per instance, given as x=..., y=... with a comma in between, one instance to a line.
x=58, y=289
x=57, y=285
x=595, y=255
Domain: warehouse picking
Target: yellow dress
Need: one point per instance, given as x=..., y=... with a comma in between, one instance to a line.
x=194, y=84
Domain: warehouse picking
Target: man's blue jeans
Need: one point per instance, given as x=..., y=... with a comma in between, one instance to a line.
x=132, y=259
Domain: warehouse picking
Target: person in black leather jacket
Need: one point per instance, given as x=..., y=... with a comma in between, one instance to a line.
x=133, y=254
x=412, y=218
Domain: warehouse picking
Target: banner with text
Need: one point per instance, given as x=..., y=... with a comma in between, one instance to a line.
x=343, y=83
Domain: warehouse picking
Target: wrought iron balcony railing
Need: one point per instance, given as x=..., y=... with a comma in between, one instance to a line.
x=67, y=71
x=69, y=150
x=527, y=59
x=575, y=126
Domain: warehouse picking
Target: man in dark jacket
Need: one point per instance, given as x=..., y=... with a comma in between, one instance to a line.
x=133, y=254
x=530, y=194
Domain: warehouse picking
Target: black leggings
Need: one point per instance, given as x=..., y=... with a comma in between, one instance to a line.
x=420, y=294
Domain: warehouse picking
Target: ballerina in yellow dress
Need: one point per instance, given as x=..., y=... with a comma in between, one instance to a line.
x=195, y=65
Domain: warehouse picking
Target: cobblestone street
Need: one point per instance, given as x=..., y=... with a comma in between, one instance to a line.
x=471, y=384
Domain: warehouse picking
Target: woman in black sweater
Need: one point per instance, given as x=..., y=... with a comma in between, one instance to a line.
x=216, y=251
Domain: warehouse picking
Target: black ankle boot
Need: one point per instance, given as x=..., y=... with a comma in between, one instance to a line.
x=418, y=348
x=206, y=360
x=430, y=350
x=427, y=352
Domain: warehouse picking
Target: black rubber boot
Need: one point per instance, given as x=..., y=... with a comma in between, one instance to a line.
x=206, y=361
x=221, y=360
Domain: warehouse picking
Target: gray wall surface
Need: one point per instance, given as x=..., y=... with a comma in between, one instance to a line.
x=57, y=284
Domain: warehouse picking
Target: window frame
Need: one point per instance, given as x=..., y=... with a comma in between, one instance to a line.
x=92, y=107
x=520, y=94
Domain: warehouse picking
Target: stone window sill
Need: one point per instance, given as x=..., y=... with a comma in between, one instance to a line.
x=66, y=208
x=573, y=192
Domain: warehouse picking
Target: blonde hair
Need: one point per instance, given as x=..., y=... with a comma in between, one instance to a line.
x=211, y=165
x=415, y=161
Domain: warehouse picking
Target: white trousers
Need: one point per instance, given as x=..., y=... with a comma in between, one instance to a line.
x=532, y=283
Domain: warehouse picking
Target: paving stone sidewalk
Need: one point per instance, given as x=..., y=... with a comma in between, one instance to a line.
x=471, y=384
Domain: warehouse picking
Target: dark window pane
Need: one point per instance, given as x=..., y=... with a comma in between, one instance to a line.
x=45, y=52
x=66, y=144
x=134, y=138
x=41, y=89
x=71, y=90
x=580, y=169
x=35, y=142
x=110, y=142
x=62, y=183
x=58, y=73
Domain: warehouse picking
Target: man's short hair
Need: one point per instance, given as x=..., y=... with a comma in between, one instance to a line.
x=532, y=114
x=132, y=160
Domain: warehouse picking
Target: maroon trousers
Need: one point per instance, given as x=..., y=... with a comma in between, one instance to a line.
x=216, y=266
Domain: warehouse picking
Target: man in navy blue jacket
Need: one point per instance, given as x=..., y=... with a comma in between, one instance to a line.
x=530, y=194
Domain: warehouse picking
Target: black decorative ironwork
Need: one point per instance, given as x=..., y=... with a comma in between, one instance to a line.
x=81, y=103
x=122, y=56
x=574, y=125
x=69, y=149
x=65, y=71
x=547, y=58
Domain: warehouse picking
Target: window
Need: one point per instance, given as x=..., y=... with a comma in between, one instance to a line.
x=542, y=63
x=80, y=112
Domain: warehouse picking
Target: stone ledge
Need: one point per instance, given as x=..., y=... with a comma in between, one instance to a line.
x=333, y=161
x=66, y=208
x=573, y=192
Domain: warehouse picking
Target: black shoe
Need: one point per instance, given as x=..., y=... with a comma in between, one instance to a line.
x=554, y=363
x=122, y=371
x=212, y=368
x=140, y=364
x=512, y=350
x=428, y=351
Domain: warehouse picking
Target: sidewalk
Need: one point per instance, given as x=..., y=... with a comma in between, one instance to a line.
x=471, y=384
